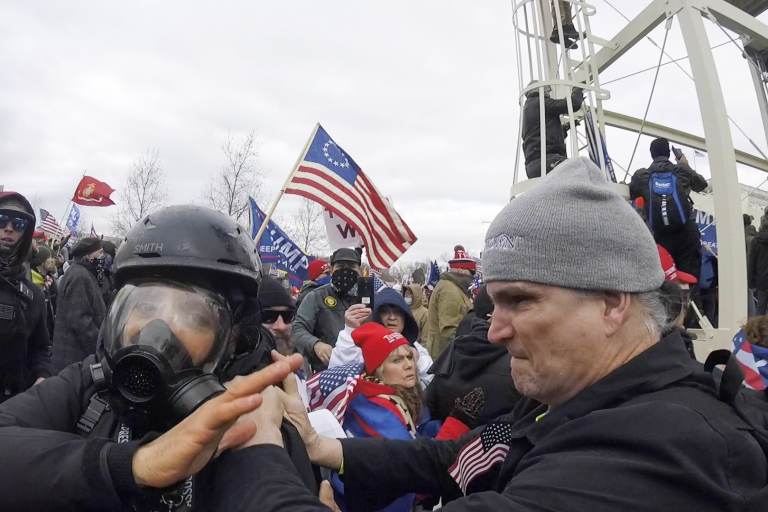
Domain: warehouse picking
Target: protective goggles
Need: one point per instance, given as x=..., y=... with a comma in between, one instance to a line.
x=269, y=316
x=19, y=224
x=198, y=319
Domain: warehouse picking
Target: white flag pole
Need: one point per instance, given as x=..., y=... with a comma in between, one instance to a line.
x=285, y=185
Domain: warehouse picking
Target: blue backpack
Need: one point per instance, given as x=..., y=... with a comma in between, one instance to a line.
x=667, y=205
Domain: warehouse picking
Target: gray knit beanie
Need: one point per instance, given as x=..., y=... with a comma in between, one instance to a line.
x=572, y=231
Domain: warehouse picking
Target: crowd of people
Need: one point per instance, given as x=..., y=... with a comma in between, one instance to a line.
x=172, y=373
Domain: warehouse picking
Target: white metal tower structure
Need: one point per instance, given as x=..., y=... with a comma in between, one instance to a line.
x=542, y=62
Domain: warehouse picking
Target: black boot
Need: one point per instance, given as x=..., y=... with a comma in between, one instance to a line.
x=570, y=36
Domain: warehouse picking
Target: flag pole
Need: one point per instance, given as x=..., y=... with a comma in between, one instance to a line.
x=268, y=216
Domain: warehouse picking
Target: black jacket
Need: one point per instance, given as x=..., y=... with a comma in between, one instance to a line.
x=650, y=436
x=25, y=353
x=472, y=361
x=80, y=310
x=553, y=109
x=687, y=177
x=757, y=270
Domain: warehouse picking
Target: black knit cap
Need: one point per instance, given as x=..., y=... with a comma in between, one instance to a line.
x=659, y=147
x=273, y=294
x=85, y=246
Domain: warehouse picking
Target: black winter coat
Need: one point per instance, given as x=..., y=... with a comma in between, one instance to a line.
x=555, y=132
x=25, y=353
x=48, y=466
x=80, y=310
x=472, y=361
x=650, y=436
x=757, y=270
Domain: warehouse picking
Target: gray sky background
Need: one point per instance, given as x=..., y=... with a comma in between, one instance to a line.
x=422, y=94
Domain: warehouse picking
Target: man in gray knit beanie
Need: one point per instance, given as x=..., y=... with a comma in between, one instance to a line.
x=619, y=419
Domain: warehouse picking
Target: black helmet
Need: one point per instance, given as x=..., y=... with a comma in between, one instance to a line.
x=179, y=239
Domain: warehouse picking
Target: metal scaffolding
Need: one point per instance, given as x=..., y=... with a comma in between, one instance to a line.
x=542, y=62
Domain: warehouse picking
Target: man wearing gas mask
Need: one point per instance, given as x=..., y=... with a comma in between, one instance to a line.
x=321, y=314
x=25, y=356
x=80, y=308
x=128, y=427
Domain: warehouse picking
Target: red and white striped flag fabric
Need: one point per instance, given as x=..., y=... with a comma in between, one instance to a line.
x=328, y=176
x=479, y=456
x=50, y=227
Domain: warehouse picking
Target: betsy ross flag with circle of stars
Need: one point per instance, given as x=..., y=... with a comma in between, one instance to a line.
x=327, y=175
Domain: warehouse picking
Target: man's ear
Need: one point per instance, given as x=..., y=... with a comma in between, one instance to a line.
x=616, y=312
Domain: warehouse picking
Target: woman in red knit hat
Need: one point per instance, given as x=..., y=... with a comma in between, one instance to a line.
x=390, y=382
x=378, y=398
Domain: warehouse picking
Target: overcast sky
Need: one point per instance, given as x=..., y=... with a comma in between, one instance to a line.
x=423, y=95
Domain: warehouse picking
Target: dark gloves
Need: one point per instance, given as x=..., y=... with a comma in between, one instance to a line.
x=467, y=408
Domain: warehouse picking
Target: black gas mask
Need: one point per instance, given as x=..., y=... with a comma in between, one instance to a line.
x=163, y=341
x=344, y=278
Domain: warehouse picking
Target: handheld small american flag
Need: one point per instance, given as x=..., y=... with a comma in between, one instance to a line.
x=489, y=448
x=329, y=176
x=50, y=227
x=332, y=388
x=378, y=282
x=753, y=360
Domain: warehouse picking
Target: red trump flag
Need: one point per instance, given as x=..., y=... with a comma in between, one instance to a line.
x=92, y=192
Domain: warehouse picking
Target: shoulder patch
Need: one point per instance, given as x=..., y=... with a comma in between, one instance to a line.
x=330, y=301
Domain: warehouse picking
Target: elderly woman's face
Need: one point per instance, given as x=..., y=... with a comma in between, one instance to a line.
x=555, y=338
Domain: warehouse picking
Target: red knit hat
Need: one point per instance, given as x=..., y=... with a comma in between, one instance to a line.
x=376, y=342
x=317, y=267
x=462, y=260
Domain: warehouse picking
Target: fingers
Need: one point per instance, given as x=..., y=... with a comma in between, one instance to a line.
x=326, y=496
x=363, y=312
x=294, y=360
x=220, y=411
x=259, y=380
x=237, y=434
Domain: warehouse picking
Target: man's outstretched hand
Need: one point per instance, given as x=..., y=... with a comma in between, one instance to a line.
x=188, y=447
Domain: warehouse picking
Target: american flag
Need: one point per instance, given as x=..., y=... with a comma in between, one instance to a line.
x=489, y=448
x=753, y=360
x=328, y=176
x=50, y=227
x=332, y=388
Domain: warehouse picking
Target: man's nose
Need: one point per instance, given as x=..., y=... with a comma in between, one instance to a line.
x=501, y=329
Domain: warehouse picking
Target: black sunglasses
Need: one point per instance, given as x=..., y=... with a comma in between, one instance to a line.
x=269, y=316
x=17, y=223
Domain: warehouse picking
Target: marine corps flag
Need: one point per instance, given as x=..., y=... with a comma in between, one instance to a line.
x=92, y=192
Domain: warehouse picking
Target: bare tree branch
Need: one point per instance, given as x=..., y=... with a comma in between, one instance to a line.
x=307, y=228
x=239, y=177
x=144, y=191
